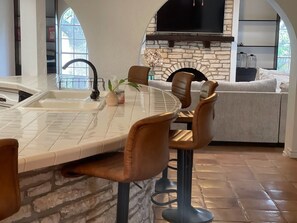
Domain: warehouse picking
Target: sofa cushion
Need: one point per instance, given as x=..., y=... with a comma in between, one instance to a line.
x=267, y=85
x=196, y=85
x=247, y=117
x=166, y=86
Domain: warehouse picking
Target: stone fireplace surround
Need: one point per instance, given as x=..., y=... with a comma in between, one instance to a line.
x=214, y=62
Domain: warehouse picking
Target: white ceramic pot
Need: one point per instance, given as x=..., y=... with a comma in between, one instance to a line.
x=111, y=99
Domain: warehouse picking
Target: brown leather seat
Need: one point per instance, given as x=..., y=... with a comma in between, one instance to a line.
x=207, y=89
x=9, y=182
x=185, y=141
x=139, y=74
x=142, y=158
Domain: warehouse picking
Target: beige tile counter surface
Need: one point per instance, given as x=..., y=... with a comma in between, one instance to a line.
x=48, y=137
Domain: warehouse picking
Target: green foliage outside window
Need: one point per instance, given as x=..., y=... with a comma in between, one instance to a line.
x=284, y=49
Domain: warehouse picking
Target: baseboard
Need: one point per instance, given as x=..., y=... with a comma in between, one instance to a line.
x=258, y=144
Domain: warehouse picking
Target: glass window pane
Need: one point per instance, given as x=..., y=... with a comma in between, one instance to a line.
x=78, y=33
x=80, y=71
x=80, y=46
x=284, y=49
x=75, y=21
x=73, y=46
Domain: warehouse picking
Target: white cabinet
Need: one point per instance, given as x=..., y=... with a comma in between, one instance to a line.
x=258, y=32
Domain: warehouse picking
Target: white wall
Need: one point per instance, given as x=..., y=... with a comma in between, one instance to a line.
x=7, y=60
x=114, y=31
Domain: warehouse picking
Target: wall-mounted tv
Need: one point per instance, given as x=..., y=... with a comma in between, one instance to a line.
x=191, y=16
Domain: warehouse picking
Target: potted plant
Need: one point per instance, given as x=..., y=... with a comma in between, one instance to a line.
x=114, y=91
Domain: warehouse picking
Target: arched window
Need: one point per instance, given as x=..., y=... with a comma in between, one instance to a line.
x=284, y=49
x=73, y=45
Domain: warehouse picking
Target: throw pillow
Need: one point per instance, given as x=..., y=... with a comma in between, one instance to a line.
x=270, y=74
x=284, y=86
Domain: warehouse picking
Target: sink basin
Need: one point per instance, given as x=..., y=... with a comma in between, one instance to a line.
x=62, y=95
x=62, y=104
x=64, y=100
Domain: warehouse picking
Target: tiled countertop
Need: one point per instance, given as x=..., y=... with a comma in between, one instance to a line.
x=49, y=138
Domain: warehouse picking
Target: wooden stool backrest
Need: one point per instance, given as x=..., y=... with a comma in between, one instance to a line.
x=202, y=125
x=181, y=87
x=208, y=88
x=146, y=151
x=9, y=182
x=138, y=74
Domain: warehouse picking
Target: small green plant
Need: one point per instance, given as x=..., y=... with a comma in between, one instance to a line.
x=114, y=87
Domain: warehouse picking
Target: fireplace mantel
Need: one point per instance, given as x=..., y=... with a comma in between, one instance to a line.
x=205, y=38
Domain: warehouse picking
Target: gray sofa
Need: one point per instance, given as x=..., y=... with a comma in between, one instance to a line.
x=245, y=111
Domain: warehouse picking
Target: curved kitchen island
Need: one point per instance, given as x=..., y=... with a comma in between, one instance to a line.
x=48, y=138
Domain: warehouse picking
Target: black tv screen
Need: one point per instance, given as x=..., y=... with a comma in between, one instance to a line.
x=191, y=16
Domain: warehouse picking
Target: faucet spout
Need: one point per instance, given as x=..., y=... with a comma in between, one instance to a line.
x=95, y=92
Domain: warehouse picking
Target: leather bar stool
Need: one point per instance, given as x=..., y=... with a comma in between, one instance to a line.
x=185, y=141
x=141, y=159
x=181, y=88
x=207, y=89
x=138, y=74
x=164, y=185
x=10, y=201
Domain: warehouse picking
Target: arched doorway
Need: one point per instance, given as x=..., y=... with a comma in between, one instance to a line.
x=288, y=16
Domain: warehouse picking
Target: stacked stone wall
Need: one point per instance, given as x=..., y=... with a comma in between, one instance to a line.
x=48, y=197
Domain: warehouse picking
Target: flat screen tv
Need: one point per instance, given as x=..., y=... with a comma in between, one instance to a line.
x=191, y=16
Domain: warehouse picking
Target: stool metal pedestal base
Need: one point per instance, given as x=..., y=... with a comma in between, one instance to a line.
x=191, y=215
x=164, y=184
x=185, y=213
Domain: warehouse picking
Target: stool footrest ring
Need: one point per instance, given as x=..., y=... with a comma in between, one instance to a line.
x=163, y=203
x=172, y=167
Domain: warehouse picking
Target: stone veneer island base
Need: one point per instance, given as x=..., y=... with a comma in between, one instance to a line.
x=48, y=197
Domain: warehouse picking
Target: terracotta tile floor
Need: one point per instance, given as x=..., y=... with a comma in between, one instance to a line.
x=243, y=184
